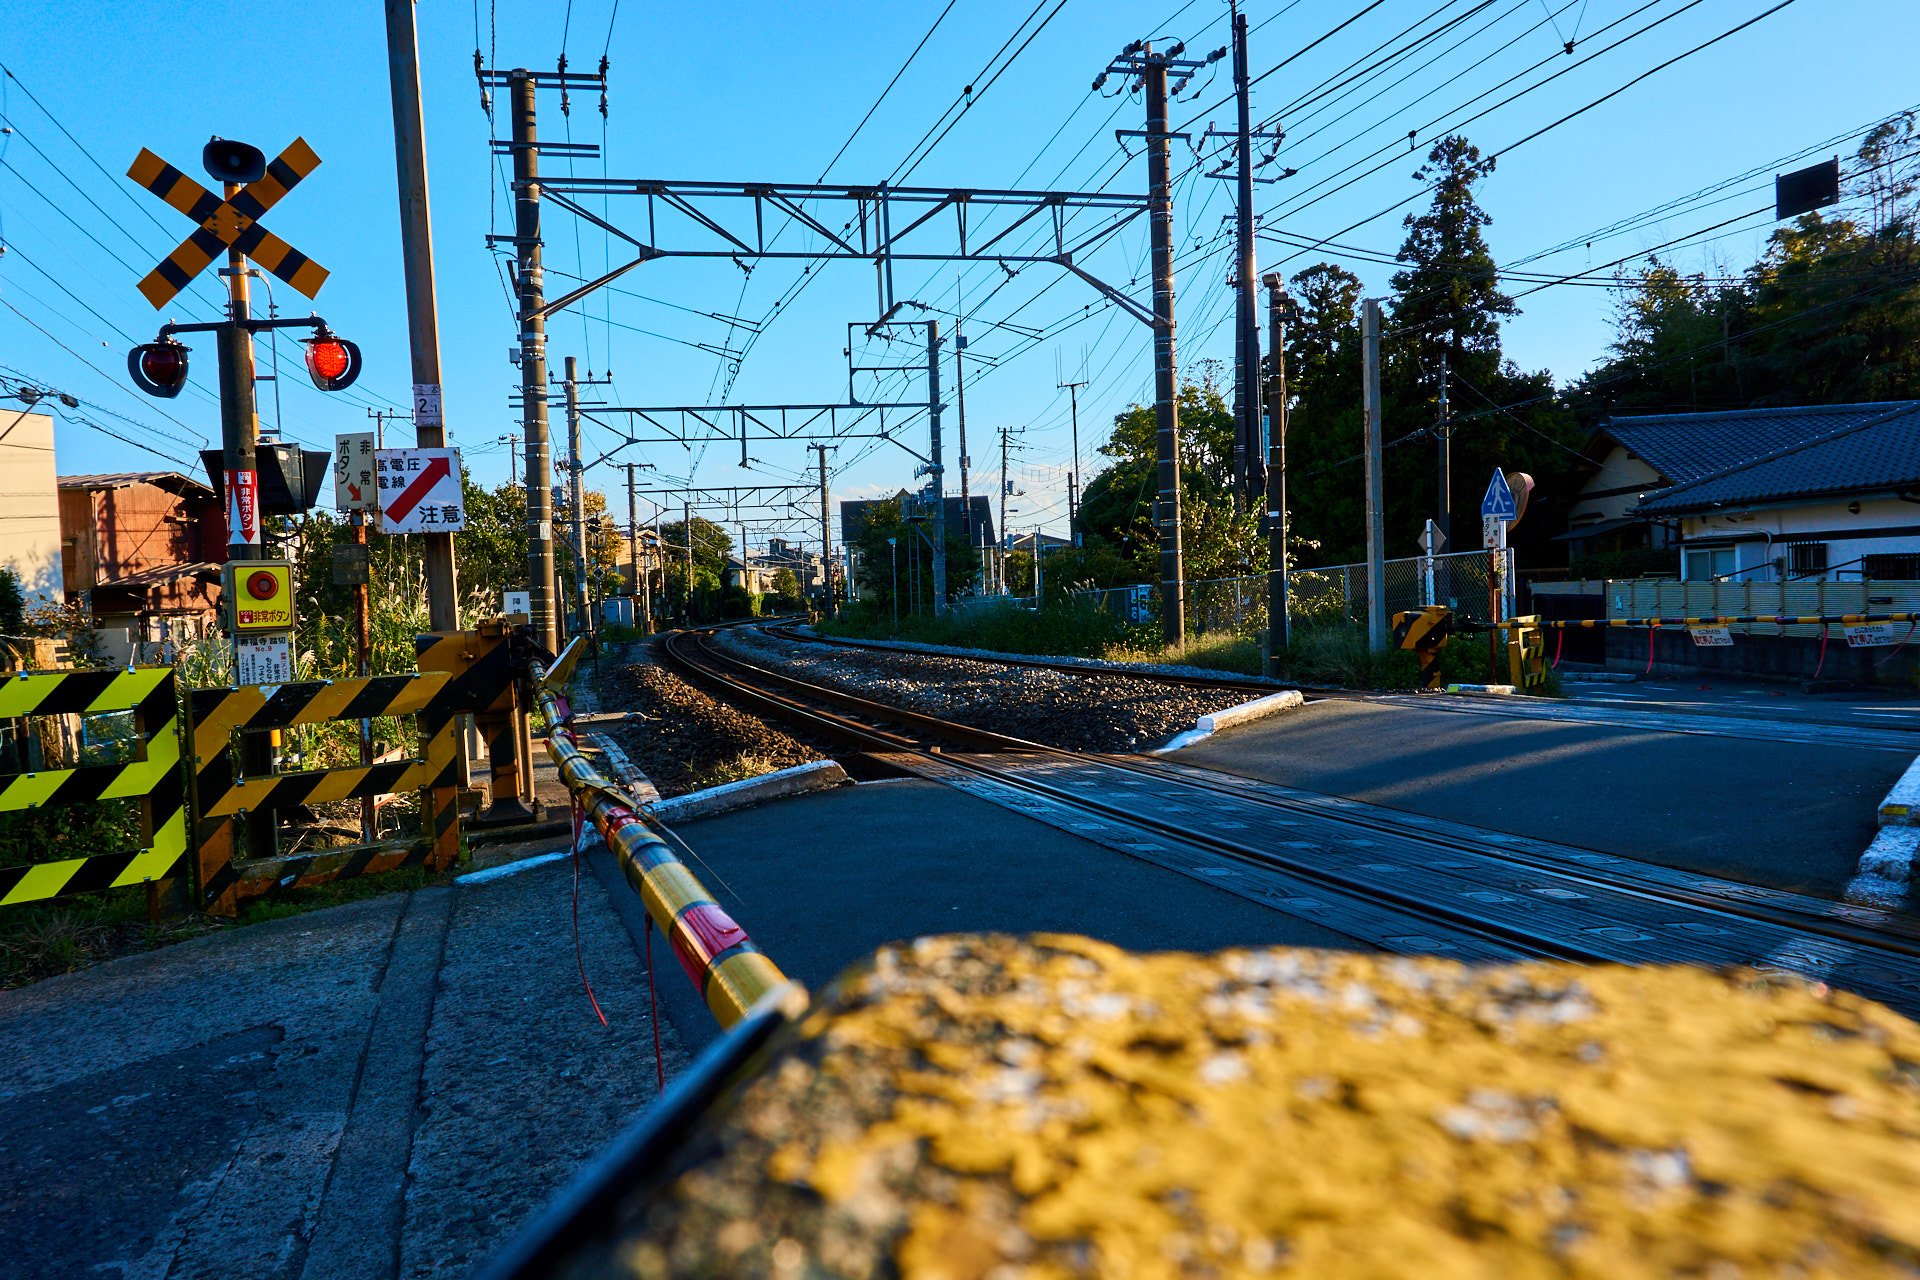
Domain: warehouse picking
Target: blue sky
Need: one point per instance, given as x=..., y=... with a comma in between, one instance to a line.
x=760, y=92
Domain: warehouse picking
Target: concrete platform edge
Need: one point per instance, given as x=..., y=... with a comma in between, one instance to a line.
x=815, y=776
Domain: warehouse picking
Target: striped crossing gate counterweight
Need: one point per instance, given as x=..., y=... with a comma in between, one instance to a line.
x=153, y=778
x=1425, y=631
x=220, y=793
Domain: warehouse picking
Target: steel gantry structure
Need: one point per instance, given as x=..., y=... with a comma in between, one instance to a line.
x=935, y=226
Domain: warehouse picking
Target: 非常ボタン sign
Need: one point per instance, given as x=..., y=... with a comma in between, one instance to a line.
x=418, y=490
x=353, y=488
x=258, y=595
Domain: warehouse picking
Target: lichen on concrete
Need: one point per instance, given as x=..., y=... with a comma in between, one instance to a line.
x=986, y=1107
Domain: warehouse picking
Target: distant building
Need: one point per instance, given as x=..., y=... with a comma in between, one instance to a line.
x=142, y=551
x=30, y=506
x=1815, y=492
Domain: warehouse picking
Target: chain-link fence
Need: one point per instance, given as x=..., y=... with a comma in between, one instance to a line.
x=1330, y=594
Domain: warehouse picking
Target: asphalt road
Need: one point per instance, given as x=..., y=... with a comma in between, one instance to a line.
x=381, y=1089
x=1732, y=696
x=1791, y=815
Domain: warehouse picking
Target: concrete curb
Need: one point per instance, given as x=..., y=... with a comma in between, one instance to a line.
x=817, y=776
x=1240, y=713
x=1598, y=677
x=1502, y=689
x=1901, y=808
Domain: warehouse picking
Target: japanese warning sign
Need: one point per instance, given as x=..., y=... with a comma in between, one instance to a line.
x=418, y=490
x=353, y=471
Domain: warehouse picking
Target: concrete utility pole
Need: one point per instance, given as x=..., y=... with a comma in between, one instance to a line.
x=533, y=356
x=1248, y=469
x=960, y=395
x=1166, y=386
x=1073, y=474
x=1279, y=619
x=1376, y=536
x=584, y=618
x=423, y=326
x=1005, y=485
x=642, y=578
x=1444, y=429
x=934, y=469
x=826, y=534
x=686, y=530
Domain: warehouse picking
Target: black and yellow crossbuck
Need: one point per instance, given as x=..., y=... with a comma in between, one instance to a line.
x=153, y=778
x=233, y=223
x=219, y=793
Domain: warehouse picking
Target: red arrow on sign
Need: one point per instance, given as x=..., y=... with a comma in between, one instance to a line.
x=353, y=492
x=437, y=469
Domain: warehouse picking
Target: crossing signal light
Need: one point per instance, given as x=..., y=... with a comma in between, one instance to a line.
x=332, y=362
x=159, y=368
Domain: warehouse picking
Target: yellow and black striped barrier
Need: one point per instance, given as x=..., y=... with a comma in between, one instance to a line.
x=1425, y=631
x=153, y=778
x=220, y=794
x=730, y=971
x=1526, y=654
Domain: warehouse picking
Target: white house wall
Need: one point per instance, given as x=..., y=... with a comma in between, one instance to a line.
x=1621, y=470
x=1762, y=535
x=30, y=506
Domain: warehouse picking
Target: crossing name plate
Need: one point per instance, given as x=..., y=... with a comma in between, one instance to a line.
x=263, y=659
x=1871, y=635
x=1711, y=637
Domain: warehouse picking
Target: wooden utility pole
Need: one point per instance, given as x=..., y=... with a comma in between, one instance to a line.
x=423, y=326
x=1073, y=473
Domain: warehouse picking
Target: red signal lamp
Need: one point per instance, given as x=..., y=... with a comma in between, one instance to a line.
x=159, y=368
x=332, y=362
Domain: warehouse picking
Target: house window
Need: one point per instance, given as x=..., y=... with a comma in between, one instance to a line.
x=1900, y=566
x=1715, y=562
x=1806, y=558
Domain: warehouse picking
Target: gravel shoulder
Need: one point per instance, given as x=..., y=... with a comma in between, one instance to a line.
x=1091, y=712
x=684, y=739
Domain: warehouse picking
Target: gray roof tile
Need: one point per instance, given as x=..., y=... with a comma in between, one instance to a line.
x=1872, y=453
x=1687, y=446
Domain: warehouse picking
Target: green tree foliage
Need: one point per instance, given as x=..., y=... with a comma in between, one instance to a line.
x=1829, y=315
x=1447, y=305
x=881, y=565
x=1116, y=511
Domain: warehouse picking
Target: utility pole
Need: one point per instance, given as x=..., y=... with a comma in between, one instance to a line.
x=1248, y=469
x=1444, y=429
x=1073, y=474
x=1376, y=536
x=642, y=578
x=584, y=621
x=934, y=470
x=826, y=536
x=960, y=394
x=533, y=355
x=1139, y=59
x=423, y=327
x=1279, y=619
x=686, y=529
x=1005, y=485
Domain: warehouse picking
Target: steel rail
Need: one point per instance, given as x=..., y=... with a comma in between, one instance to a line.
x=1899, y=937
x=734, y=675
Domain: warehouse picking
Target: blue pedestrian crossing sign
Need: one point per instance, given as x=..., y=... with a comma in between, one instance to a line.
x=1499, y=500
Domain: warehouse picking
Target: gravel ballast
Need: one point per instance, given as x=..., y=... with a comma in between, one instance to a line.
x=1091, y=712
x=684, y=740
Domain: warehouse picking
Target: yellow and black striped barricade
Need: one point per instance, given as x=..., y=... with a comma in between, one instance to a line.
x=220, y=794
x=152, y=777
x=488, y=677
x=1526, y=654
x=1424, y=631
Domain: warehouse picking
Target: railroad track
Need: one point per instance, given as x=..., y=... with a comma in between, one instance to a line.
x=1398, y=881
